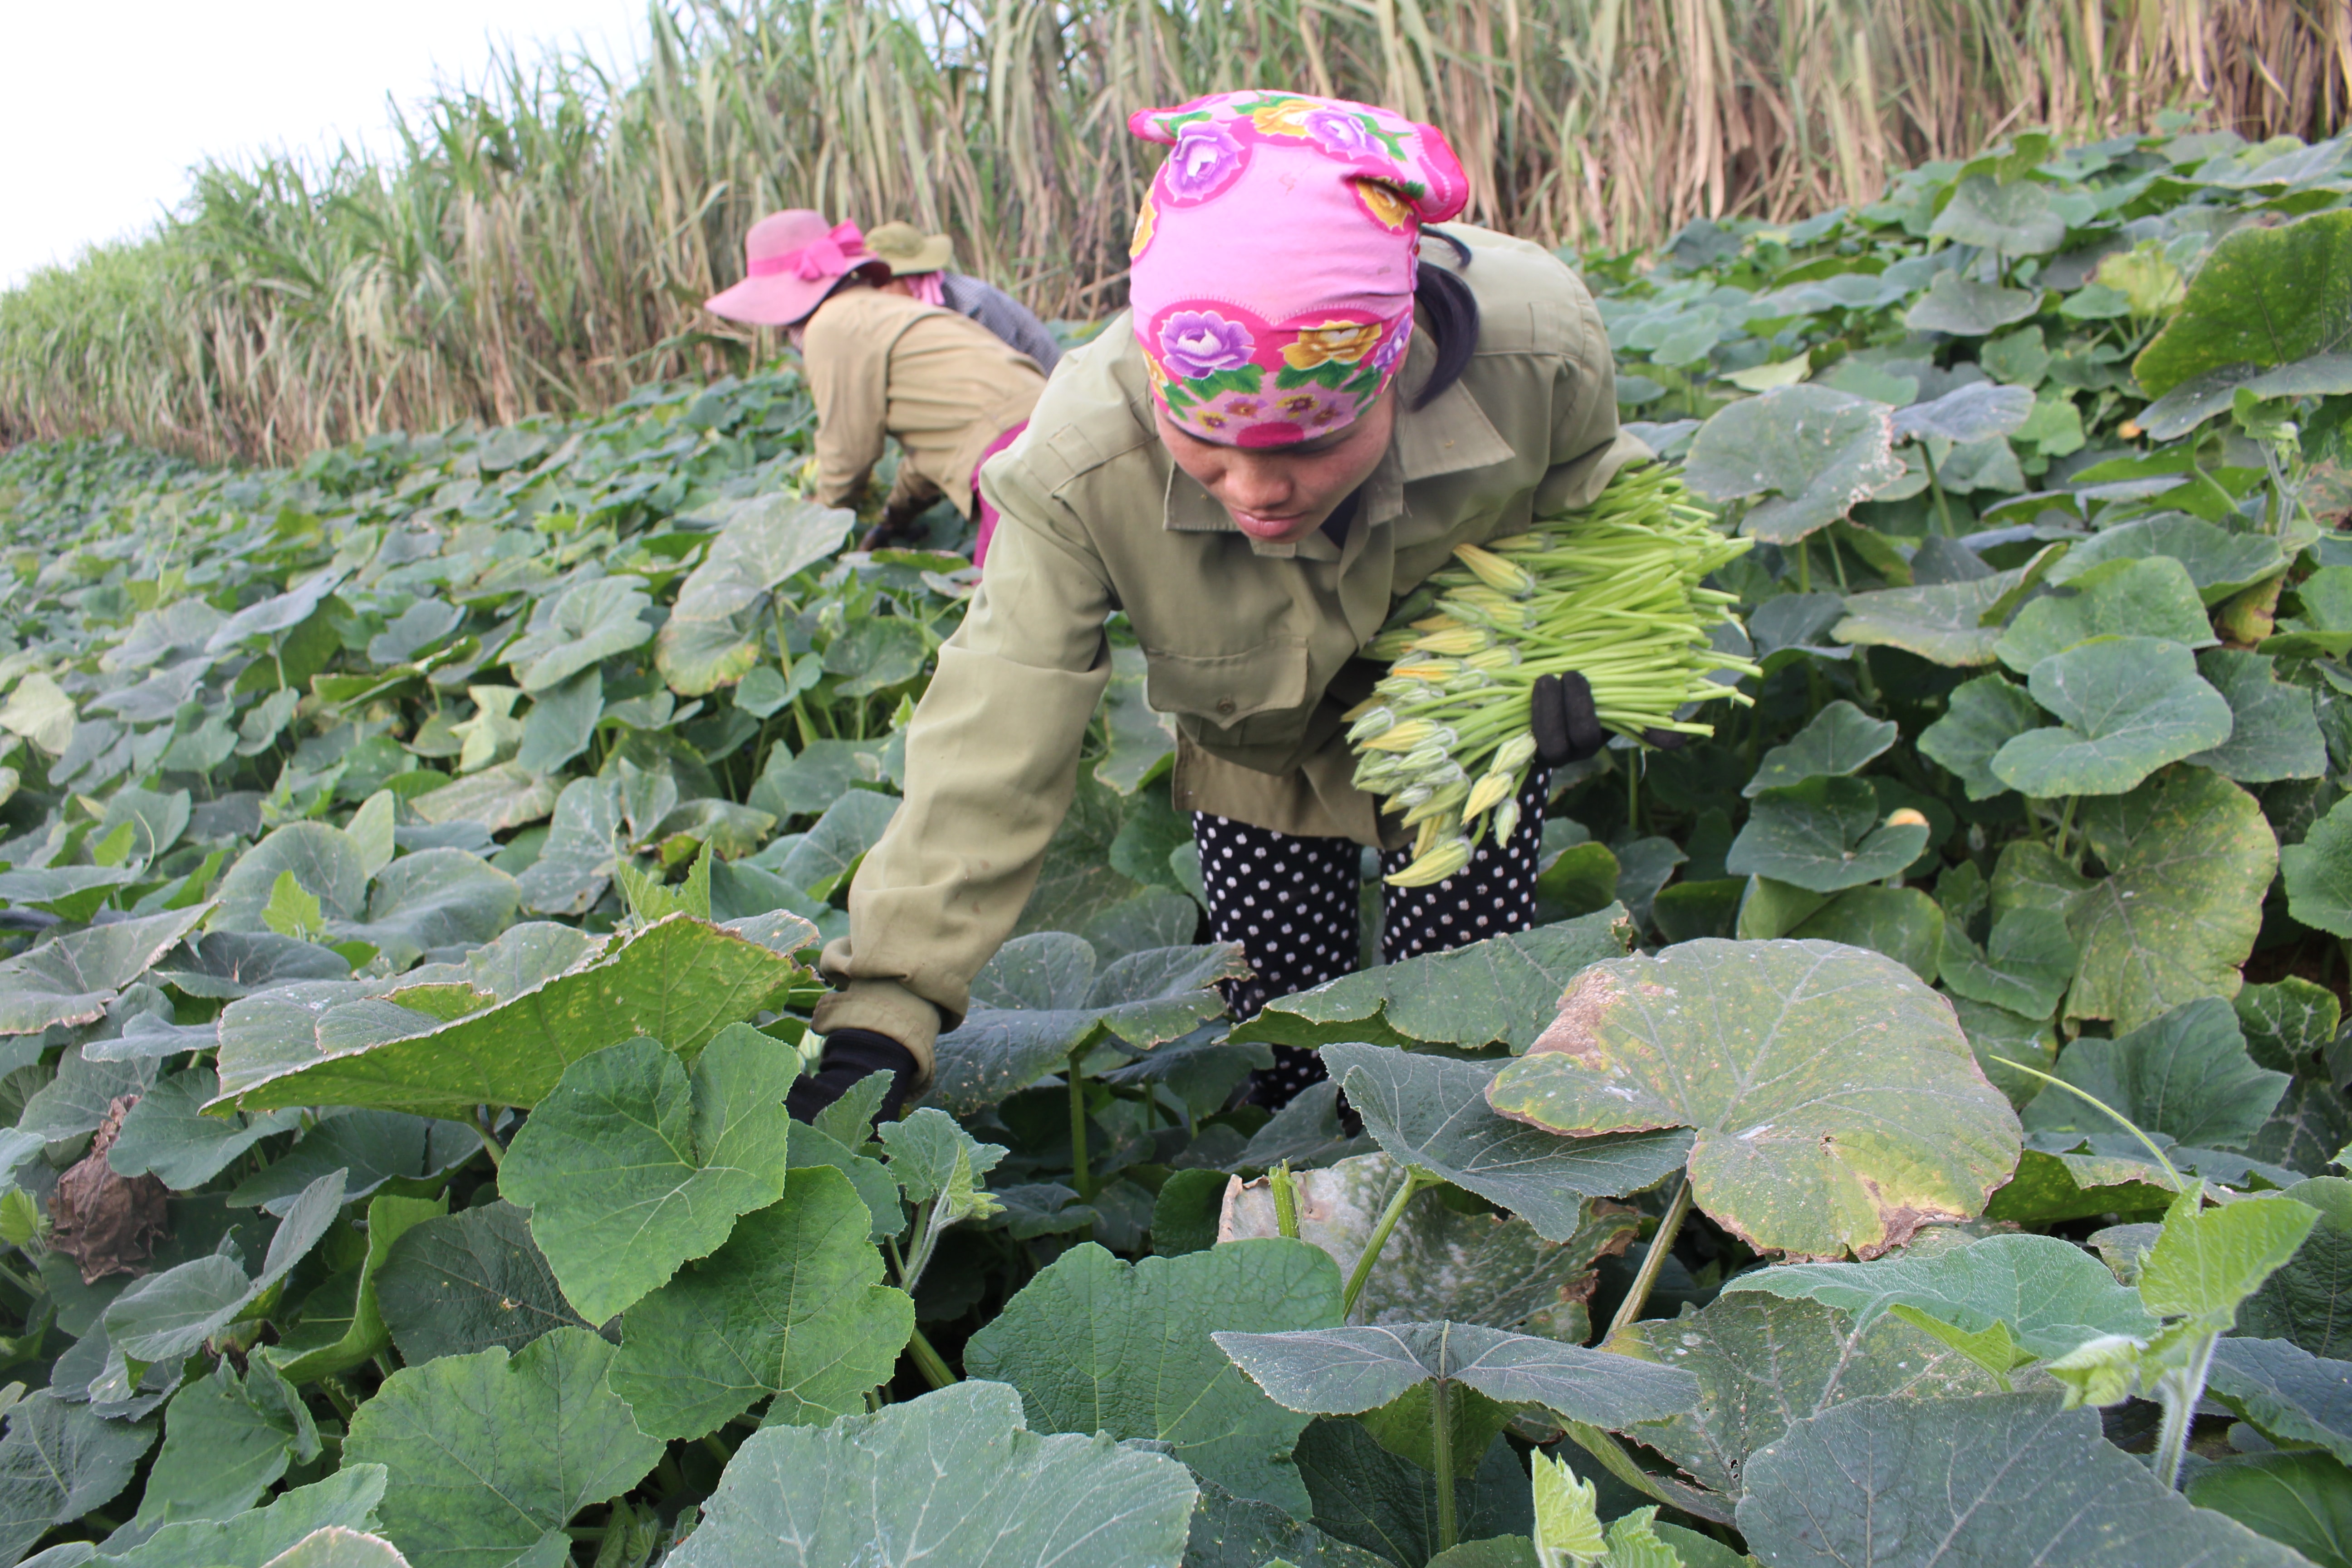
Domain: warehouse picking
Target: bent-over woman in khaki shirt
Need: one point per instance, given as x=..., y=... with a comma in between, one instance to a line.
x=884, y=364
x=1306, y=410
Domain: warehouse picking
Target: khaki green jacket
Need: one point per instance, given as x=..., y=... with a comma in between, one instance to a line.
x=1249, y=646
x=882, y=364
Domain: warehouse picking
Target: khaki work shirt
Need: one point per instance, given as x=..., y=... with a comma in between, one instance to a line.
x=1249, y=646
x=882, y=364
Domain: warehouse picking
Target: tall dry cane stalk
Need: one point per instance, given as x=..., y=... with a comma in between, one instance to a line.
x=543, y=241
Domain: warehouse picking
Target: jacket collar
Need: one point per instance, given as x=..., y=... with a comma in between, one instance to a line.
x=1453, y=433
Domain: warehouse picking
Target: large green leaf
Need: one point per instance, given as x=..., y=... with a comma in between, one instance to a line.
x=1432, y=1111
x=826, y=854
x=1980, y=717
x=1041, y=998
x=1505, y=988
x=336, y=1547
x=1967, y=309
x=1975, y=1483
x=1094, y=1344
x=2302, y=1501
x=1439, y=1261
x=2049, y=1295
x=2273, y=733
x=2128, y=705
x=174, y=1313
x=1348, y=1370
x=485, y=1454
x=792, y=1308
x=166, y=1135
x=2265, y=297
x=2292, y=1396
x=2015, y=219
x=1763, y=1363
x=575, y=864
x=762, y=541
x=2148, y=597
x=1943, y=622
x=680, y=981
x=1815, y=451
x=1824, y=834
x=226, y=1441
x=585, y=624
x=468, y=1283
x=2186, y=1075
x=329, y=1339
x=323, y=862
x=57, y=1462
x=953, y=1477
x=498, y=798
x=433, y=898
x=1836, y=1102
x=225, y=964
x=369, y=1147
x=1841, y=739
x=632, y=1166
x=2205, y=1263
x=1383, y=1502
x=2024, y=966
x=2218, y=563
x=258, y=1538
x=70, y=979
x=2189, y=857
x=2309, y=1302
x=1903, y=923
x=1239, y=1532
x=2319, y=872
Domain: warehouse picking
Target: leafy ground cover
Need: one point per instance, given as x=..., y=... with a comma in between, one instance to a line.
x=1910, y=1127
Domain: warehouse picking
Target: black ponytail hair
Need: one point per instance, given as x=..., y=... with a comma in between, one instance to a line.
x=1451, y=313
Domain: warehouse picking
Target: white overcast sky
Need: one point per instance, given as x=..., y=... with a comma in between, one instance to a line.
x=103, y=111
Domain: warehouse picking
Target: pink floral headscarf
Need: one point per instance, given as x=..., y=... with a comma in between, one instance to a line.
x=1275, y=258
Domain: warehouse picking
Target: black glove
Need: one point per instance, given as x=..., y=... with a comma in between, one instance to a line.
x=849, y=1055
x=1566, y=728
x=896, y=525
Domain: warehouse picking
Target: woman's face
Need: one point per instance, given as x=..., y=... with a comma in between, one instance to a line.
x=1282, y=494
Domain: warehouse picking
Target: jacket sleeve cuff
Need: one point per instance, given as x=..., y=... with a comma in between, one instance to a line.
x=885, y=1007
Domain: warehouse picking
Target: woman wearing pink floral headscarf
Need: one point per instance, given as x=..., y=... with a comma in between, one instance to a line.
x=1315, y=397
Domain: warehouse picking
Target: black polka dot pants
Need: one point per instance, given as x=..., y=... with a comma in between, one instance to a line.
x=1294, y=905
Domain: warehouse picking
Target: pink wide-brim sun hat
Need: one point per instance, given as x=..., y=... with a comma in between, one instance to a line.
x=792, y=259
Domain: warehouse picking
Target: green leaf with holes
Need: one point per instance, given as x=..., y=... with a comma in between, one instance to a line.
x=1837, y=1105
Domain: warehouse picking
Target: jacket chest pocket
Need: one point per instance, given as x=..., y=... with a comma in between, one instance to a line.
x=1252, y=698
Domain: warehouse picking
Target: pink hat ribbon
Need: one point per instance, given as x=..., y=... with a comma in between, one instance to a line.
x=1275, y=257
x=828, y=256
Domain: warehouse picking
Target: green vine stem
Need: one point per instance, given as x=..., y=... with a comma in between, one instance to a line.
x=1630, y=1312
x=1943, y=507
x=2179, y=1182
x=1440, y=1447
x=2065, y=824
x=2181, y=1390
x=482, y=1119
x=1415, y=1178
x=1077, y=1074
x=1284, y=1189
x=932, y=1365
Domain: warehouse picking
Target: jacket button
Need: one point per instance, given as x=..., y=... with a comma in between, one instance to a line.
x=1225, y=704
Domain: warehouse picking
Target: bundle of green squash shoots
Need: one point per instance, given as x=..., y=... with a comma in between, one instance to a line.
x=1612, y=592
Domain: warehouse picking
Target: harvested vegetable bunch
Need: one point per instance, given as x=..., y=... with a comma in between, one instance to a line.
x=1611, y=592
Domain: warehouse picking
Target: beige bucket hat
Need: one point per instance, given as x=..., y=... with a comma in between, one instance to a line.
x=908, y=250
